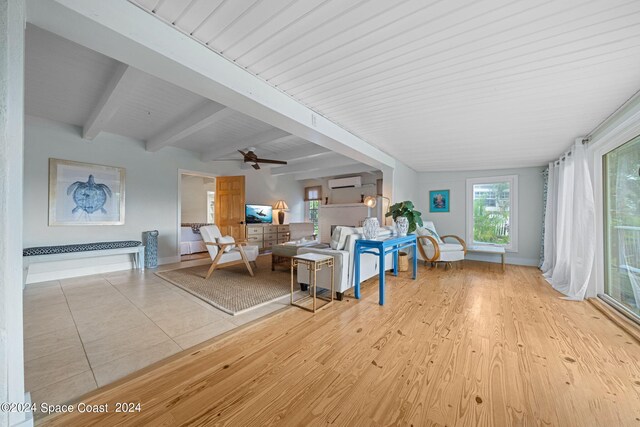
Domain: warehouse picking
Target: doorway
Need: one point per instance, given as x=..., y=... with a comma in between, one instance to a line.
x=196, y=208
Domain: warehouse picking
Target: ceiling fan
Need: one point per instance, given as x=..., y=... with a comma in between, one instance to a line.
x=251, y=157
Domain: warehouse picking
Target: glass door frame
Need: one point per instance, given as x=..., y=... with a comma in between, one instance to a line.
x=606, y=237
x=604, y=141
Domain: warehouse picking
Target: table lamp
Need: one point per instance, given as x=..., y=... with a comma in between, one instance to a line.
x=280, y=205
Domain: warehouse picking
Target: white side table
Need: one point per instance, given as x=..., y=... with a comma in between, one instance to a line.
x=314, y=263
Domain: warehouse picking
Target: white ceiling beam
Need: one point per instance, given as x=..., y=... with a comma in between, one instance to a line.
x=198, y=119
x=337, y=171
x=118, y=88
x=333, y=160
x=306, y=151
x=158, y=49
x=218, y=152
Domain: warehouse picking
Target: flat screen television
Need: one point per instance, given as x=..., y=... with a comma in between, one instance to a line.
x=258, y=214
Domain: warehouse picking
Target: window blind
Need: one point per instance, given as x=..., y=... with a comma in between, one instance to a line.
x=313, y=193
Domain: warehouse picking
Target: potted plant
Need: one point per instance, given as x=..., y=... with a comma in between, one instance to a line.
x=406, y=218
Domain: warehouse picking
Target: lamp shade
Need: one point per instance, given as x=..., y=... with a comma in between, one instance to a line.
x=280, y=204
x=370, y=201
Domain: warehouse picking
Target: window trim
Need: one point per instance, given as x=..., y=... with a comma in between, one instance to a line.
x=513, y=209
x=307, y=212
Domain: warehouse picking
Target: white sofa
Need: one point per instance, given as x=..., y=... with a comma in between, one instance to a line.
x=343, y=243
x=190, y=242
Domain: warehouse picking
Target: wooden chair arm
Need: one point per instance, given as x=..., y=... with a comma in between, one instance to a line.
x=459, y=239
x=436, y=246
x=220, y=245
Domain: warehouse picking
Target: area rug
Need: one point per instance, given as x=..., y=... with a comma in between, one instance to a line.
x=232, y=289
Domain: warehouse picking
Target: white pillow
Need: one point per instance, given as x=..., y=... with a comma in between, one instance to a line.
x=339, y=236
x=424, y=231
x=227, y=239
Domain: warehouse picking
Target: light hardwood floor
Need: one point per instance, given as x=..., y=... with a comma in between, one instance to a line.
x=461, y=347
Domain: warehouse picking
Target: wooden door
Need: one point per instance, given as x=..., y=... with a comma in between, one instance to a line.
x=230, y=206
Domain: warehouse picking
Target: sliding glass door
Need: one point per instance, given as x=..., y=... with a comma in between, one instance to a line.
x=622, y=226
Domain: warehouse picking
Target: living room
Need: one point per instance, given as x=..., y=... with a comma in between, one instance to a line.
x=448, y=193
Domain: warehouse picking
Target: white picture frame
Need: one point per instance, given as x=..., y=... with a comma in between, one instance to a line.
x=82, y=194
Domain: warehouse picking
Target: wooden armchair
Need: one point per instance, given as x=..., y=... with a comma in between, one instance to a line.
x=221, y=256
x=433, y=248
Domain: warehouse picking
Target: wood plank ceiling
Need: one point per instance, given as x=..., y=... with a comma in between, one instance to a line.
x=438, y=84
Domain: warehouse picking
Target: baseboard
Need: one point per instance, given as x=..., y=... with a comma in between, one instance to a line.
x=45, y=276
x=496, y=259
x=66, y=273
x=168, y=260
x=27, y=421
x=616, y=317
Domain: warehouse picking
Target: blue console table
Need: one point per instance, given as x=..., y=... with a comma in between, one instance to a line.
x=382, y=247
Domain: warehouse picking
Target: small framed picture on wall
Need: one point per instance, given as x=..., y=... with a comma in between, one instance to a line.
x=439, y=201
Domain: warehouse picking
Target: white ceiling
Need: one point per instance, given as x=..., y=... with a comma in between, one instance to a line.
x=437, y=84
x=67, y=82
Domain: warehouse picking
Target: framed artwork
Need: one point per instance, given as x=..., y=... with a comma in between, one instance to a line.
x=439, y=201
x=85, y=194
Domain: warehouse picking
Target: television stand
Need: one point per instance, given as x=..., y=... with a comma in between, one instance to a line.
x=265, y=236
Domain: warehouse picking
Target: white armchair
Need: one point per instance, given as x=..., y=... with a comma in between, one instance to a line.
x=226, y=253
x=432, y=247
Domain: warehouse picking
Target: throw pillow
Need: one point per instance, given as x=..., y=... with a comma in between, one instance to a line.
x=227, y=239
x=339, y=237
x=424, y=231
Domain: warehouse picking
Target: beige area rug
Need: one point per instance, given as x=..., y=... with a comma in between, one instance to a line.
x=232, y=289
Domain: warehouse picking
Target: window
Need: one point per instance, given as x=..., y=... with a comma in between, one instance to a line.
x=492, y=211
x=622, y=226
x=312, y=214
x=312, y=198
x=211, y=200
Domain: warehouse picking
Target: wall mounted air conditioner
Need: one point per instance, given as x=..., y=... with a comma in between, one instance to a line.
x=350, y=182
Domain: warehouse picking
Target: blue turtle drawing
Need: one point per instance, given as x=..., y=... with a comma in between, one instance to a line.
x=89, y=196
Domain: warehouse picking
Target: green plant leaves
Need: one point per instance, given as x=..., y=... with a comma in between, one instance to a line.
x=406, y=209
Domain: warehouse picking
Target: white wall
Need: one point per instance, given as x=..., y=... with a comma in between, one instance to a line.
x=530, y=208
x=405, y=184
x=151, y=193
x=12, y=21
x=346, y=195
x=193, y=198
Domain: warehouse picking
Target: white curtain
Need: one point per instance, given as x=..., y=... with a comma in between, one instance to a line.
x=550, y=218
x=570, y=225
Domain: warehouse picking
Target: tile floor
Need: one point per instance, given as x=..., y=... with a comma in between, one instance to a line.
x=85, y=332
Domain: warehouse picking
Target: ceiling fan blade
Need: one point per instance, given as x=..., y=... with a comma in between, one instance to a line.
x=275, y=162
x=243, y=153
x=256, y=166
